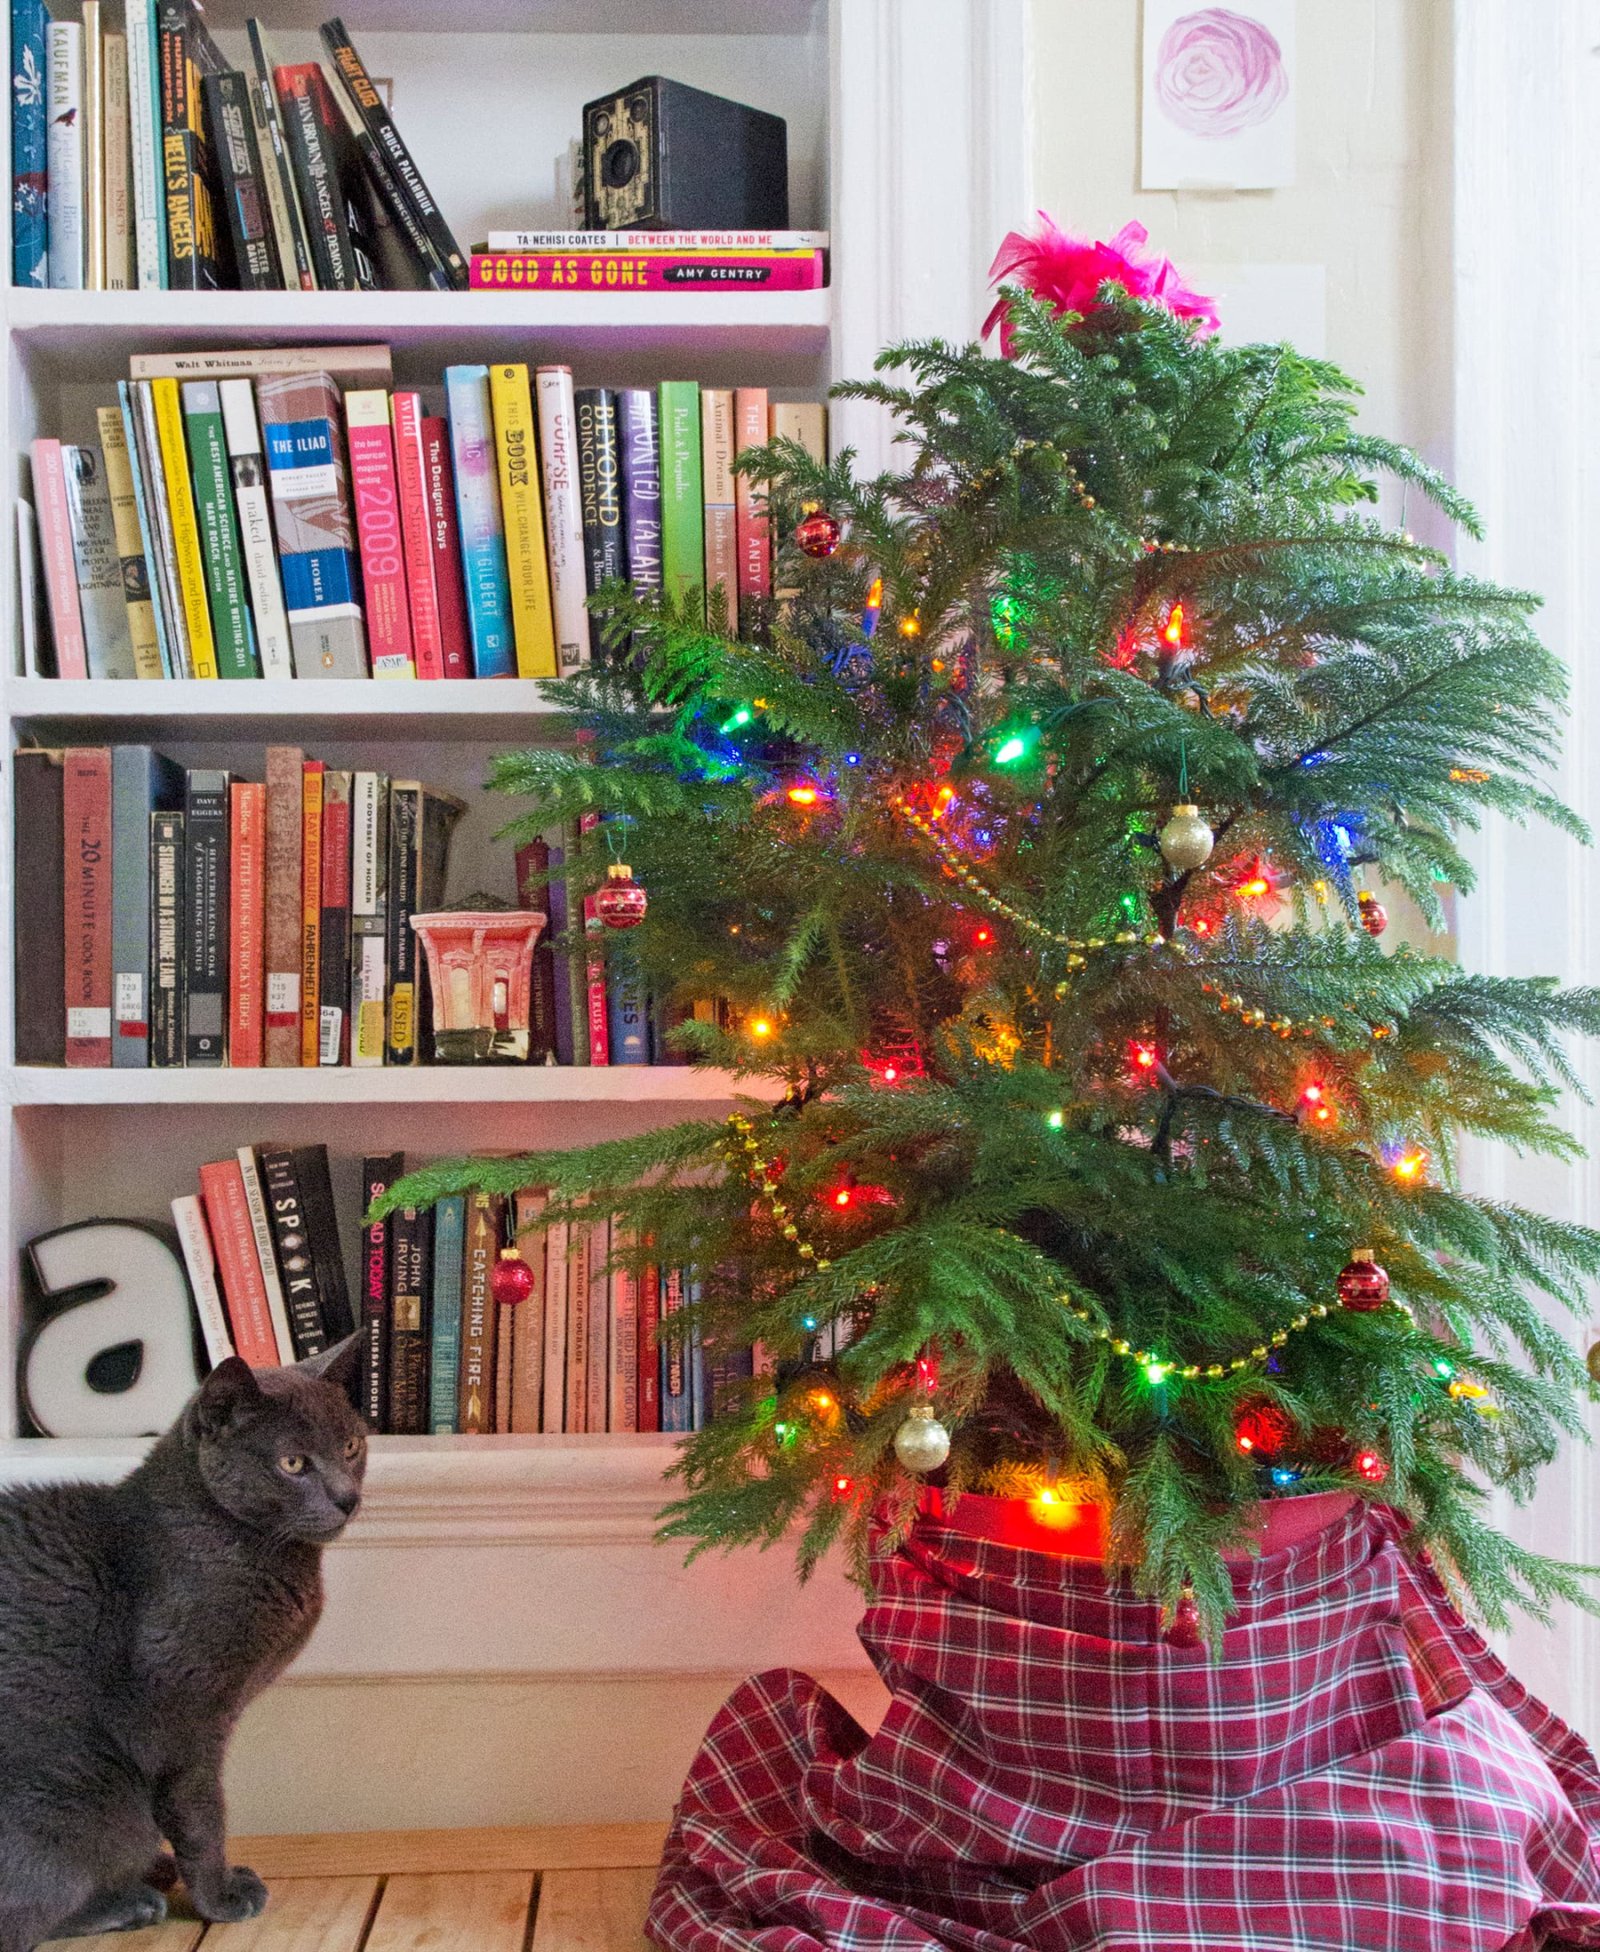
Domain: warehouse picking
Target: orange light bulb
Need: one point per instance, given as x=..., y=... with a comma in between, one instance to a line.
x=1174, y=631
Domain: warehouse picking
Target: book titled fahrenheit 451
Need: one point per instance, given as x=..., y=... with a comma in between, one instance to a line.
x=301, y=420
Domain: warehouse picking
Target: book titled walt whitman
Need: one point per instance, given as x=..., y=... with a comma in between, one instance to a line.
x=300, y=423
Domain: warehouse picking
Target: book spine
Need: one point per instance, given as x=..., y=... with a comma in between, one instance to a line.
x=716, y=483
x=605, y=556
x=455, y=632
x=383, y=562
x=622, y=1414
x=576, y=1407
x=805, y=422
x=639, y=450
x=38, y=836
x=753, y=534
x=378, y=1174
x=313, y=154
x=144, y=116
x=255, y=1200
x=98, y=567
x=553, y=1409
x=64, y=108
x=247, y=468
x=133, y=448
x=373, y=111
x=255, y=253
x=405, y=816
x=311, y=781
x=409, y=1285
x=247, y=868
x=369, y=880
x=611, y=271
x=563, y=516
x=30, y=238
x=627, y=1028
x=334, y=1017
x=205, y=917
x=140, y=784
x=327, y=1256
x=200, y=1264
x=94, y=151
x=301, y=425
x=482, y=531
x=118, y=184
x=291, y=1241
x=485, y=1223
x=285, y=821
x=125, y=523
x=60, y=567
x=650, y=243
x=533, y=894
x=191, y=218
x=564, y=1025
x=158, y=522
x=187, y=556
x=411, y=491
x=594, y=968
x=167, y=859
x=348, y=365
x=527, y=1317
x=675, y=1404
x=224, y=573
x=233, y=1237
x=683, y=540
x=522, y=511
x=283, y=198
x=649, y=1344
x=444, y=1368
x=599, y=1371
x=86, y=837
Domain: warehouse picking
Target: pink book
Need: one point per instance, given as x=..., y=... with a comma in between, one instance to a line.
x=60, y=570
x=750, y=515
x=595, y=970
x=416, y=529
x=247, y=908
x=619, y=271
x=448, y=580
x=383, y=565
x=649, y=1345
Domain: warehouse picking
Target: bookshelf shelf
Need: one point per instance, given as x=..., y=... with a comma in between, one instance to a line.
x=622, y=1084
x=191, y=708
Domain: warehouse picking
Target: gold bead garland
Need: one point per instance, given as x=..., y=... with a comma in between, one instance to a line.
x=758, y=1171
x=1230, y=1002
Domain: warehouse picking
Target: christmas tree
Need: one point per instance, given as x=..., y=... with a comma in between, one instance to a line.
x=1034, y=846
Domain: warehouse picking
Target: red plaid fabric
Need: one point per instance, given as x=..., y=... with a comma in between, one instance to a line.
x=1358, y=1773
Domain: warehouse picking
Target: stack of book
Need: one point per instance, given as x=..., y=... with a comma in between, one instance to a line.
x=141, y=158
x=651, y=260
x=582, y=1353
x=282, y=513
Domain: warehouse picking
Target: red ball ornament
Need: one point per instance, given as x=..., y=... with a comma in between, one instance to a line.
x=1363, y=1286
x=621, y=903
x=1374, y=916
x=1262, y=1430
x=818, y=534
x=512, y=1279
x=1184, y=1630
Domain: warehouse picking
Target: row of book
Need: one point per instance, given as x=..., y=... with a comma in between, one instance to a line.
x=259, y=520
x=141, y=158
x=580, y=1351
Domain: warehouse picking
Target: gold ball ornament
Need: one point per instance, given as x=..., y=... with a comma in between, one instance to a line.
x=921, y=1443
x=1186, y=840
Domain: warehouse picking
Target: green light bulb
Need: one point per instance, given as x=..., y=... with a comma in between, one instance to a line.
x=1010, y=750
x=1156, y=1373
x=1056, y=1119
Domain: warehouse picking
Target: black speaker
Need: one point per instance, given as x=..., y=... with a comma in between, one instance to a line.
x=661, y=156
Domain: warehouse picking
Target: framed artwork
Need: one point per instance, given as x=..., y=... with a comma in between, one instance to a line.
x=1218, y=96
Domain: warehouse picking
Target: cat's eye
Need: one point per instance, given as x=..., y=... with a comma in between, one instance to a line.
x=352, y=1446
x=293, y=1464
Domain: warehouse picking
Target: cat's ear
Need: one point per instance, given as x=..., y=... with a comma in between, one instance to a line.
x=230, y=1388
x=340, y=1365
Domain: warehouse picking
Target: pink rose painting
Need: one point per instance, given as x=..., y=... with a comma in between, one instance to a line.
x=1218, y=98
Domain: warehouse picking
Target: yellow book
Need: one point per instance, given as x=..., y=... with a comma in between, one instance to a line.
x=522, y=509
x=130, y=544
x=185, y=528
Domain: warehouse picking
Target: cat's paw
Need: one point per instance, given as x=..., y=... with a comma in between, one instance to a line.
x=237, y=1895
x=116, y=1911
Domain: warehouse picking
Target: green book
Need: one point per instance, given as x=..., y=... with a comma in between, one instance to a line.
x=449, y=1245
x=219, y=539
x=683, y=513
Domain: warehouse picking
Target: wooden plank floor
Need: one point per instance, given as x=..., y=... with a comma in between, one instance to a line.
x=580, y=1889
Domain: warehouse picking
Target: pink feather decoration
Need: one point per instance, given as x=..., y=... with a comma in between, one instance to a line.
x=1069, y=271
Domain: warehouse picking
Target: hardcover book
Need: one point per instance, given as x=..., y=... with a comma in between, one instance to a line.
x=142, y=784
x=205, y=916
x=316, y=1189
x=576, y=1411
x=233, y=1236
x=639, y=449
x=200, y=1264
x=149, y=188
x=311, y=781
x=98, y=567
x=369, y=917
x=378, y=1174
x=653, y=243
x=558, y=447
x=676, y=1407
x=627, y=1026
x=64, y=150
x=605, y=555
x=649, y=1339
x=30, y=245
x=716, y=479
x=247, y=925
x=60, y=567
x=115, y=164
x=312, y=137
x=130, y=546
x=525, y=1407
x=150, y=469
x=416, y=523
x=420, y=824
x=615, y=271
x=168, y=859
x=455, y=635
x=522, y=511
x=334, y=986
x=806, y=423
x=193, y=258
x=224, y=572
x=188, y=556
x=483, y=543
x=383, y=566
x=533, y=894
x=410, y=1272
x=283, y=197
x=247, y=467
x=363, y=365
x=291, y=1240
x=752, y=533
x=623, y=1409
x=94, y=156
x=553, y=1408
x=599, y=1334
x=38, y=835
x=244, y=199
x=301, y=421
x=285, y=822
x=261, y=1228
x=444, y=1367
x=485, y=1226
x=401, y=254
x=86, y=852
x=683, y=529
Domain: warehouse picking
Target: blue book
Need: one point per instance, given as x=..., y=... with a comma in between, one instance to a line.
x=675, y=1405
x=142, y=783
x=30, y=246
x=302, y=427
x=627, y=1022
x=483, y=532
x=449, y=1244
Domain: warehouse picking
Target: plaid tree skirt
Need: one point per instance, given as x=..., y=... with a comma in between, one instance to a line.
x=1357, y=1774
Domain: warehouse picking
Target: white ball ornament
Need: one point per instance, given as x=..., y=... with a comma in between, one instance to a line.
x=922, y=1443
x=1186, y=839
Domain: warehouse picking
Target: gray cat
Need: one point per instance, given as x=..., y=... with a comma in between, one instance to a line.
x=136, y=1621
